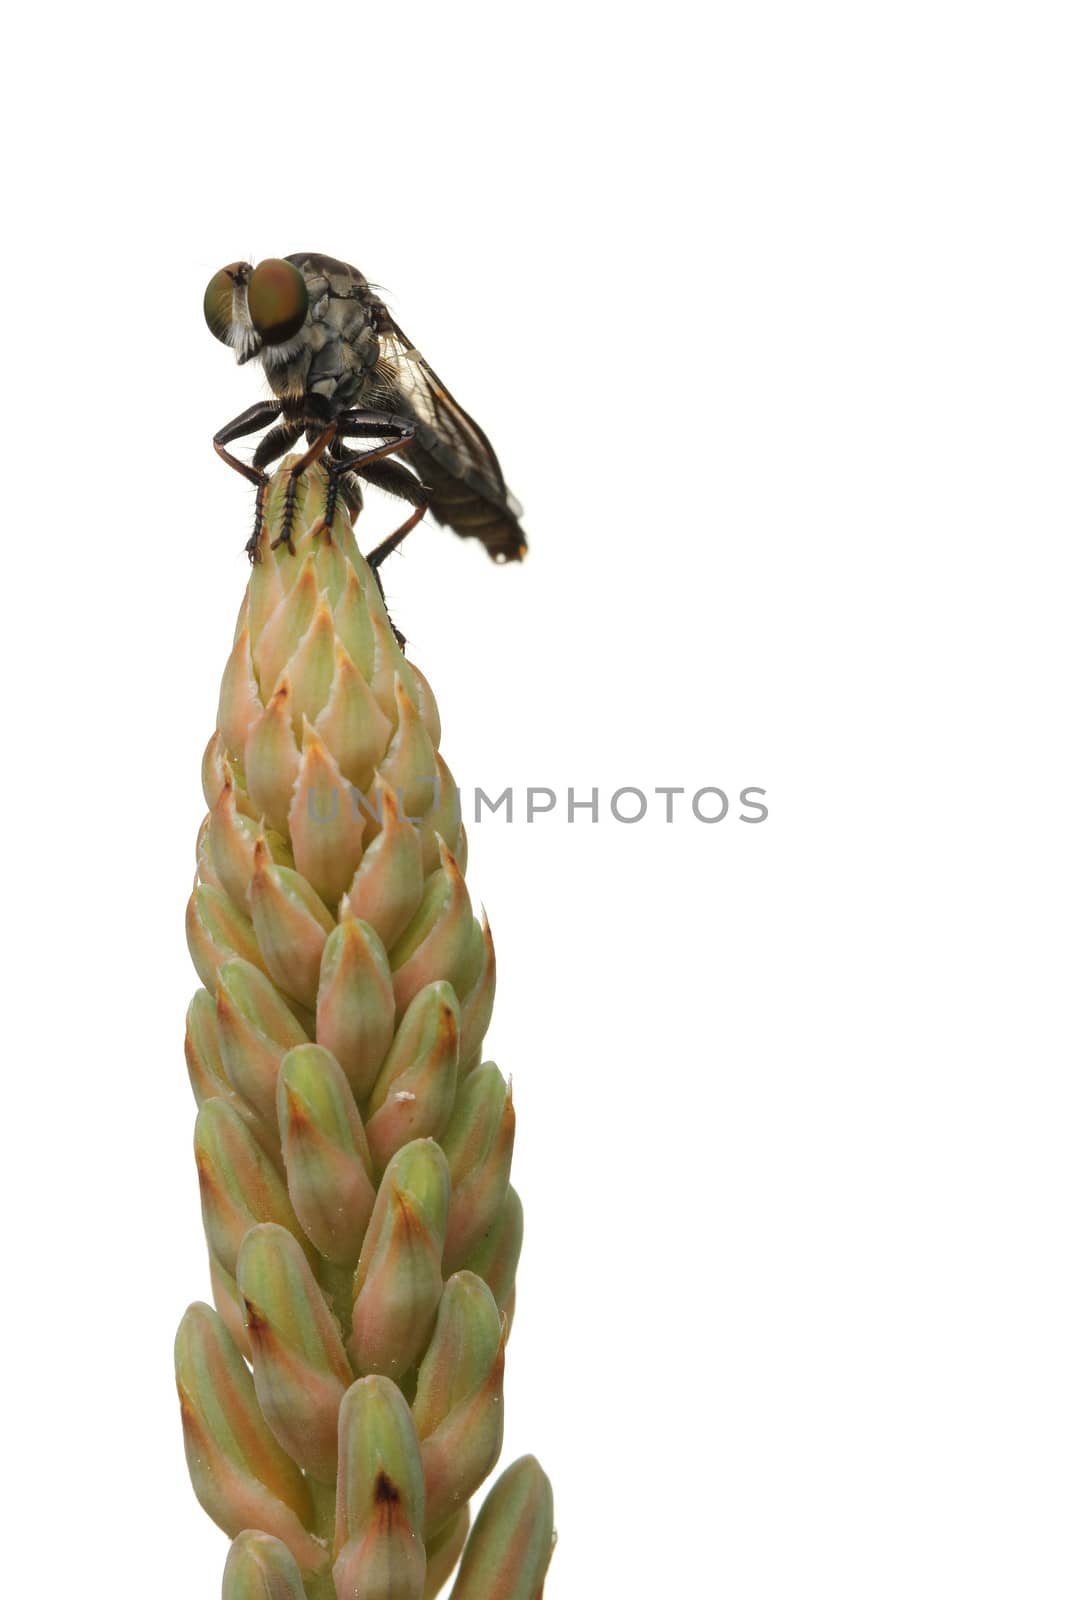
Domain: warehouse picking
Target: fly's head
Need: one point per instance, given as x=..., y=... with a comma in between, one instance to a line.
x=260, y=312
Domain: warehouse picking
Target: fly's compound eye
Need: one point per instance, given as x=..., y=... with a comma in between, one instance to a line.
x=218, y=299
x=277, y=301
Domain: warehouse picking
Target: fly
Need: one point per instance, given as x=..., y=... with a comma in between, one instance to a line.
x=341, y=370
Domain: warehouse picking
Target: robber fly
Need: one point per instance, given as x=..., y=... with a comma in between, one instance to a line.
x=342, y=370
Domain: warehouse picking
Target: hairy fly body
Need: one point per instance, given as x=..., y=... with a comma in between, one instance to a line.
x=341, y=371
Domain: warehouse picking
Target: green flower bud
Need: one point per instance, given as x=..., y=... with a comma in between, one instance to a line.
x=255, y=1028
x=260, y=1567
x=424, y=697
x=327, y=1162
x=291, y=924
x=286, y=613
x=272, y=758
x=299, y=1366
x=380, y=1497
x=310, y=669
x=478, y=1144
x=351, y=723
x=355, y=1005
x=408, y=764
x=437, y=942
x=458, y=1407
x=238, y=1185
x=495, y=1257
x=232, y=837
x=398, y=1281
x=415, y=1089
x=478, y=1006
x=387, y=887
x=324, y=820
x=241, y=1475
x=216, y=931
x=239, y=702
x=511, y=1542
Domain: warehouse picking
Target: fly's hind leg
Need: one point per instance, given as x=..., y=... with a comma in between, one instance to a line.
x=390, y=475
x=360, y=424
x=387, y=546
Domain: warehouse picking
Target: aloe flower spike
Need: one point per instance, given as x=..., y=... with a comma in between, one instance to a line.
x=343, y=1399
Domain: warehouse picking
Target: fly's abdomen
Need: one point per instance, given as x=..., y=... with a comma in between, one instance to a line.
x=467, y=509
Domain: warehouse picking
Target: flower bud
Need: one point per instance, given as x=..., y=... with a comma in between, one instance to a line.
x=355, y=1003
x=408, y=764
x=238, y=1185
x=239, y=701
x=310, y=670
x=352, y=619
x=443, y=818
x=413, y=1095
x=437, y=942
x=387, y=886
x=424, y=699
x=212, y=776
x=216, y=931
x=380, y=1497
x=255, y=1029
x=351, y=723
x=285, y=627
x=478, y=1006
x=272, y=758
x=232, y=837
x=389, y=661
x=458, y=1407
x=495, y=1257
x=291, y=924
x=299, y=1366
x=398, y=1281
x=478, y=1145
x=325, y=823
x=384, y=1560
x=260, y=1567
x=203, y=1053
x=511, y=1542
x=327, y=1162
x=240, y=1473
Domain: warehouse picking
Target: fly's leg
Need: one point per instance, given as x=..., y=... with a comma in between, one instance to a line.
x=252, y=421
x=299, y=467
x=269, y=449
x=333, y=489
x=387, y=546
x=359, y=424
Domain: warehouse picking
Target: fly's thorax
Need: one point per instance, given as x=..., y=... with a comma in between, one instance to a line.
x=337, y=348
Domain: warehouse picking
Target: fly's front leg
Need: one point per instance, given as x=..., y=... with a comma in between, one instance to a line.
x=251, y=421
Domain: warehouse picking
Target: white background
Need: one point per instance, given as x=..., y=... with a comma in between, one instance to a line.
x=764, y=309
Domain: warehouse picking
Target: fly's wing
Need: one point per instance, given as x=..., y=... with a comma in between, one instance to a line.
x=451, y=453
